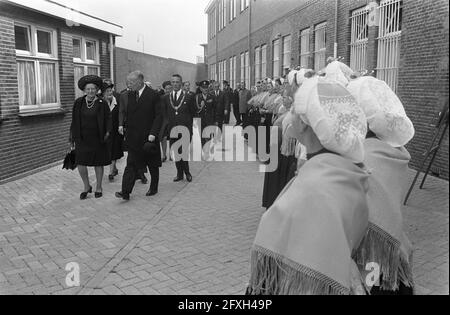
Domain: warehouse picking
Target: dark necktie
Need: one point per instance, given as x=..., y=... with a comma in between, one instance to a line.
x=137, y=97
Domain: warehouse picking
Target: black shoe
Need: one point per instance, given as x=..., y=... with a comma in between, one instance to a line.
x=151, y=193
x=123, y=196
x=98, y=195
x=189, y=177
x=144, y=180
x=178, y=179
x=84, y=195
x=111, y=178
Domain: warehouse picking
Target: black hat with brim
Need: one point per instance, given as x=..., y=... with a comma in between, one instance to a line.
x=106, y=86
x=204, y=84
x=90, y=79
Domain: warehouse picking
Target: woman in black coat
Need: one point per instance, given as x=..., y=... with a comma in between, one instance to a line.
x=115, y=139
x=89, y=133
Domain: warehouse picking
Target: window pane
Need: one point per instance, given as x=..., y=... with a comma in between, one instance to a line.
x=27, y=83
x=78, y=74
x=44, y=42
x=76, y=48
x=22, y=35
x=93, y=70
x=48, y=83
x=90, y=50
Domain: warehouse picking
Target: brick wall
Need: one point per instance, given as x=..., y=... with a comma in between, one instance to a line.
x=156, y=69
x=28, y=143
x=423, y=75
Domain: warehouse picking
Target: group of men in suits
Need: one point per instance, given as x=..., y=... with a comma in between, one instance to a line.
x=145, y=112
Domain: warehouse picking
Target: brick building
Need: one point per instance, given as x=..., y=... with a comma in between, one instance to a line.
x=156, y=69
x=45, y=48
x=404, y=41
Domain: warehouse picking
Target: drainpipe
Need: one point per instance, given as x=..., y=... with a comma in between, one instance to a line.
x=336, y=28
x=111, y=56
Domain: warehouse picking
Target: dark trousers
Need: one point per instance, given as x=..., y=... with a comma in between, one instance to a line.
x=182, y=166
x=244, y=120
x=134, y=165
x=236, y=113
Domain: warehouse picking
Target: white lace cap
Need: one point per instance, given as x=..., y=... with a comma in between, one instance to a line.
x=338, y=72
x=333, y=114
x=384, y=110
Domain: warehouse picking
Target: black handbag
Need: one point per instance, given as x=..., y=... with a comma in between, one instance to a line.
x=69, y=161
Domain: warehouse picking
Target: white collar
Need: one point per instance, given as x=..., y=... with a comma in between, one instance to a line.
x=113, y=103
x=177, y=94
x=142, y=90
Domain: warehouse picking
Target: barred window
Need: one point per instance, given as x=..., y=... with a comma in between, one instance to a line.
x=389, y=40
x=286, y=53
x=320, y=47
x=264, y=61
x=257, y=64
x=276, y=58
x=359, y=39
x=304, y=48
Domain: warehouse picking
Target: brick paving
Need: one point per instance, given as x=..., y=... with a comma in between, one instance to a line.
x=190, y=239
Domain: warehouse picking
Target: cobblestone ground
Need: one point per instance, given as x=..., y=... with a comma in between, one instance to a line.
x=190, y=239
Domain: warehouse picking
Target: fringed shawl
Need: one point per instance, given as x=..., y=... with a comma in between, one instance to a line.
x=305, y=240
x=385, y=242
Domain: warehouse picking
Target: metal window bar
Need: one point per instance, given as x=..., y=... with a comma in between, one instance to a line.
x=359, y=39
x=389, y=40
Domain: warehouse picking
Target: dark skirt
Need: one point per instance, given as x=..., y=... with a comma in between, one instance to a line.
x=275, y=182
x=92, y=155
x=91, y=150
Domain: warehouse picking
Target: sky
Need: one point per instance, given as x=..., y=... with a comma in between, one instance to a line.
x=170, y=28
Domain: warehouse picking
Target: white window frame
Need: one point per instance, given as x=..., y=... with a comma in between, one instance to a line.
x=305, y=47
x=34, y=56
x=264, y=61
x=320, y=46
x=233, y=10
x=247, y=69
x=359, y=39
x=276, y=52
x=244, y=5
x=243, y=67
x=287, y=52
x=389, y=41
x=84, y=62
x=257, y=64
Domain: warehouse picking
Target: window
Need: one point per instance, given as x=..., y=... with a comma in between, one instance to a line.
x=276, y=59
x=320, y=46
x=247, y=69
x=233, y=72
x=286, y=54
x=257, y=64
x=233, y=9
x=222, y=14
x=37, y=67
x=244, y=4
x=243, y=67
x=389, y=40
x=86, y=60
x=359, y=39
x=264, y=61
x=213, y=72
x=212, y=24
x=304, y=48
x=222, y=71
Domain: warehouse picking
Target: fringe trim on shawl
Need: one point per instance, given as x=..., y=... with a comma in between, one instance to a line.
x=288, y=146
x=272, y=274
x=379, y=246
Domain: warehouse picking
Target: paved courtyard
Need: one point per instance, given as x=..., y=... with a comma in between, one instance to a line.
x=190, y=239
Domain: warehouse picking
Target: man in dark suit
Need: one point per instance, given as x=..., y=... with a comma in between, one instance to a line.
x=179, y=111
x=222, y=105
x=144, y=121
x=235, y=105
x=206, y=108
x=229, y=97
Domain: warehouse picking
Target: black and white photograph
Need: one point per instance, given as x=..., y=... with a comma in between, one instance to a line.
x=224, y=152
